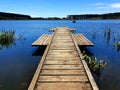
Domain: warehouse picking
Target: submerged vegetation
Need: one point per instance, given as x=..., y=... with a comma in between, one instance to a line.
x=96, y=66
x=111, y=37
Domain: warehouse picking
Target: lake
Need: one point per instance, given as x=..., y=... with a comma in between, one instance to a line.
x=19, y=61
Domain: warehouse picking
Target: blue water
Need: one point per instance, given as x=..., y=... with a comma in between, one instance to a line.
x=18, y=62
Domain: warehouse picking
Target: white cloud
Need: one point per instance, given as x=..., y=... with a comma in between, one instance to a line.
x=106, y=5
x=97, y=4
x=103, y=7
x=115, y=5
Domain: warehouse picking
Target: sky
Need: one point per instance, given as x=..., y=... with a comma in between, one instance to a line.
x=59, y=8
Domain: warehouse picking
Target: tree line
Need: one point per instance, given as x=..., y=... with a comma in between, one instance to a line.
x=94, y=16
x=13, y=16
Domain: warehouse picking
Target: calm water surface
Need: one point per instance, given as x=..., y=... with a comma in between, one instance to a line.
x=19, y=62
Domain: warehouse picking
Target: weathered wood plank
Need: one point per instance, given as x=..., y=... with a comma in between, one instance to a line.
x=69, y=67
x=81, y=78
x=62, y=72
x=63, y=86
x=80, y=39
x=63, y=58
x=66, y=56
x=62, y=62
x=46, y=40
x=85, y=42
x=43, y=40
x=90, y=43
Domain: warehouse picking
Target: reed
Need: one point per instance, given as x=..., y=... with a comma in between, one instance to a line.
x=117, y=45
x=7, y=38
x=95, y=65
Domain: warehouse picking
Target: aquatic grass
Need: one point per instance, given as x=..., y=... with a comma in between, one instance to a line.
x=7, y=38
x=117, y=45
x=94, y=35
x=115, y=36
x=96, y=66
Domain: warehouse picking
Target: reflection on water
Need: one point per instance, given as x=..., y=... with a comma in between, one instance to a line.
x=107, y=34
x=94, y=35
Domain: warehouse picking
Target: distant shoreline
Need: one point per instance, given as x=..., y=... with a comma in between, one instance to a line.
x=108, y=16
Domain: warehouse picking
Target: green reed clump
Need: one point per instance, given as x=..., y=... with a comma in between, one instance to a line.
x=7, y=37
x=117, y=45
x=94, y=65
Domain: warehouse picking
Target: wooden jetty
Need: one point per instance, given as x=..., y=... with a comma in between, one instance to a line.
x=62, y=66
x=45, y=39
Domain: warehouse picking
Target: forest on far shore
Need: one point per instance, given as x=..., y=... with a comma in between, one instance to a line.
x=13, y=16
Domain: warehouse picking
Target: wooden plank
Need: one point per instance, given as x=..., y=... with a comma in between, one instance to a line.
x=63, y=86
x=85, y=42
x=62, y=72
x=69, y=51
x=64, y=55
x=69, y=67
x=43, y=40
x=62, y=45
x=62, y=48
x=63, y=58
x=65, y=62
x=63, y=51
x=76, y=40
x=81, y=78
x=82, y=40
x=35, y=43
x=90, y=43
x=46, y=40
x=62, y=40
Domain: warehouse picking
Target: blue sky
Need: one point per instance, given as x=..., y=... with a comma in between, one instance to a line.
x=59, y=8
